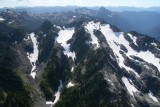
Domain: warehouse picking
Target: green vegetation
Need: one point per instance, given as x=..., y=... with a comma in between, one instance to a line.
x=46, y=43
x=92, y=93
x=14, y=91
x=46, y=89
x=91, y=89
x=80, y=43
x=11, y=34
x=57, y=68
x=19, y=98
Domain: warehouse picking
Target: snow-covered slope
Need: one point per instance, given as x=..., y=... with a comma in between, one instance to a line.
x=115, y=39
x=64, y=35
x=33, y=56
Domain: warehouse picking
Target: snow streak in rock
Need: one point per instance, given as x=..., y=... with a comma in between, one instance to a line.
x=33, y=56
x=131, y=89
x=90, y=27
x=150, y=94
x=57, y=95
x=72, y=69
x=70, y=84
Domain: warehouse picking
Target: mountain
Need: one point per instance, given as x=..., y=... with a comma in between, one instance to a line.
x=114, y=18
x=14, y=69
x=42, y=9
x=145, y=22
x=113, y=69
x=21, y=19
x=125, y=8
x=76, y=60
x=125, y=18
x=137, y=9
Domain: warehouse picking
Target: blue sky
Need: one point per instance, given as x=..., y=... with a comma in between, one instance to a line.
x=135, y=3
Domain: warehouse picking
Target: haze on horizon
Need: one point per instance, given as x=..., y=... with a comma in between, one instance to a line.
x=88, y=3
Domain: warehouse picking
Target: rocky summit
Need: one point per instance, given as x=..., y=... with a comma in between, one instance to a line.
x=75, y=59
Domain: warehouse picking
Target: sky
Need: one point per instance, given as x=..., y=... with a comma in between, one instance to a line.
x=31, y=3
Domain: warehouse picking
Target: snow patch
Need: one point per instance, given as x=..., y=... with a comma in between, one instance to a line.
x=49, y=102
x=150, y=94
x=110, y=81
x=70, y=84
x=15, y=42
x=11, y=22
x=72, y=69
x=33, y=74
x=70, y=54
x=132, y=105
x=26, y=39
x=111, y=15
x=33, y=56
x=154, y=44
x=91, y=26
x=131, y=89
x=1, y=19
x=8, y=11
x=64, y=35
x=133, y=38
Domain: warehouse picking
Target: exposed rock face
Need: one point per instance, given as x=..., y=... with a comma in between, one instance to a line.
x=15, y=68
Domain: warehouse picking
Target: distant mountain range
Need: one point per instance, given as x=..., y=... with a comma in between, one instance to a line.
x=41, y=9
x=125, y=8
x=142, y=20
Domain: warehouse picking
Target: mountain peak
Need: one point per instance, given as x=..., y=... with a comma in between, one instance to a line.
x=103, y=9
x=46, y=26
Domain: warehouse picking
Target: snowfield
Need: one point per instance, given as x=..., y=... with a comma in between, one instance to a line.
x=64, y=35
x=33, y=57
x=114, y=40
